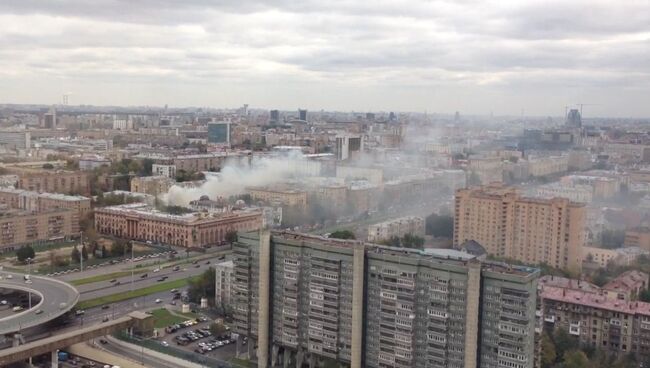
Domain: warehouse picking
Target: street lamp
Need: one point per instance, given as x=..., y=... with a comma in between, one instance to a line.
x=29, y=273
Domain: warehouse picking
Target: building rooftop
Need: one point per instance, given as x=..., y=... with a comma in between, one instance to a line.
x=628, y=281
x=58, y=196
x=599, y=301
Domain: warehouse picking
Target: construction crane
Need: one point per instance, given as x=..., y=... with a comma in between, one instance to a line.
x=585, y=104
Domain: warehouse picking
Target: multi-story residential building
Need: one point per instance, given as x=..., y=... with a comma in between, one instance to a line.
x=38, y=202
x=638, y=237
x=551, y=165
x=223, y=283
x=550, y=231
x=139, y=221
x=153, y=185
x=309, y=299
x=18, y=227
x=163, y=170
x=609, y=319
x=396, y=227
x=54, y=181
x=574, y=193
x=280, y=194
x=15, y=139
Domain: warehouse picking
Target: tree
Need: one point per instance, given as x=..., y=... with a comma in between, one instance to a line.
x=48, y=166
x=25, y=252
x=575, y=359
x=342, y=234
x=118, y=248
x=439, y=226
x=104, y=251
x=202, y=287
x=564, y=342
x=218, y=329
x=412, y=241
x=548, y=352
x=75, y=255
x=231, y=236
x=84, y=253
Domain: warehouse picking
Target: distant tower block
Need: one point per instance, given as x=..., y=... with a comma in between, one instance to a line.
x=66, y=97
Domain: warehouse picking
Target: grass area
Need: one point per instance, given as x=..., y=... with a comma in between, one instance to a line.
x=106, y=277
x=242, y=362
x=153, y=289
x=164, y=318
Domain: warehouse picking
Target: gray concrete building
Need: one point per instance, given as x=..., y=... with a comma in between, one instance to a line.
x=309, y=300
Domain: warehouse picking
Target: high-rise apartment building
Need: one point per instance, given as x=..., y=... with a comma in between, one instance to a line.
x=308, y=299
x=529, y=230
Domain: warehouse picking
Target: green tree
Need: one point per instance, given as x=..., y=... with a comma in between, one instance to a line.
x=439, y=226
x=342, y=234
x=231, y=236
x=412, y=241
x=218, y=329
x=575, y=359
x=563, y=342
x=75, y=256
x=548, y=352
x=118, y=248
x=25, y=252
x=84, y=253
x=48, y=166
x=203, y=286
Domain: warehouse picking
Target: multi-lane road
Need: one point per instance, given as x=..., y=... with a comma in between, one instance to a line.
x=55, y=299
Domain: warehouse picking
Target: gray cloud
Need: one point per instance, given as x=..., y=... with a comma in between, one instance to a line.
x=331, y=54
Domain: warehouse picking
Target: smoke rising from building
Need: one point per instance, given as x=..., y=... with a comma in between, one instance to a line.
x=239, y=173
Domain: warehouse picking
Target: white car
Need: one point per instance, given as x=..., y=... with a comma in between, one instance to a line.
x=4, y=302
x=164, y=343
x=10, y=276
x=156, y=270
x=158, y=301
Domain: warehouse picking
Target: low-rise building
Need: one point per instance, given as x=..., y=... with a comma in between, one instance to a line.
x=38, y=202
x=91, y=162
x=140, y=221
x=396, y=227
x=54, y=181
x=153, y=185
x=163, y=170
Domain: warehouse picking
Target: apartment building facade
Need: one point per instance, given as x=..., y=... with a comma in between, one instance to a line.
x=307, y=299
x=396, y=227
x=139, y=221
x=223, y=284
x=529, y=230
x=19, y=227
x=34, y=201
x=54, y=181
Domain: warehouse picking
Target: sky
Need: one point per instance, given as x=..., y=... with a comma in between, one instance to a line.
x=476, y=57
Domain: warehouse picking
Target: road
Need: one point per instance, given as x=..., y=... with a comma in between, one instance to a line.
x=57, y=298
x=138, y=356
x=103, y=288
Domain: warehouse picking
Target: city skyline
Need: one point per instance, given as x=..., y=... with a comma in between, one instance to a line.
x=477, y=58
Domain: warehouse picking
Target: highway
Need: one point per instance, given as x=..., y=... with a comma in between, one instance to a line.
x=56, y=298
x=103, y=288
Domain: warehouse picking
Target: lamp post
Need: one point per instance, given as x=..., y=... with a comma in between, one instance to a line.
x=29, y=273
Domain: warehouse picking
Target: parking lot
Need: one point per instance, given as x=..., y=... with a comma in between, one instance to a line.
x=194, y=336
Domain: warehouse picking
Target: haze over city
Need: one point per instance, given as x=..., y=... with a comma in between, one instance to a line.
x=488, y=57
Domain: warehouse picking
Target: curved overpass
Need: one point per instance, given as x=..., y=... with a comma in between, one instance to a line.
x=57, y=298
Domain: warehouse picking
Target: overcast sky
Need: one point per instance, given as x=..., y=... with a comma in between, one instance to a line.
x=476, y=57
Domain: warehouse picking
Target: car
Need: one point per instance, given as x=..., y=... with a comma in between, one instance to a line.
x=80, y=312
x=39, y=311
x=197, y=266
x=156, y=270
x=195, y=262
x=118, y=283
x=4, y=302
x=17, y=308
x=105, y=319
x=176, y=268
x=28, y=281
x=112, y=281
x=221, y=258
x=103, y=342
x=161, y=279
x=164, y=343
x=105, y=306
x=143, y=276
x=207, y=262
x=176, y=296
x=174, y=291
x=172, y=302
x=158, y=301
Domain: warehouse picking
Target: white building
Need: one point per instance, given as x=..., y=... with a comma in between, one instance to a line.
x=575, y=193
x=224, y=273
x=91, y=162
x=397, y=227
x=163, y=170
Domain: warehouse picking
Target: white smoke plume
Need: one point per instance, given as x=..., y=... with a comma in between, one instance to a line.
x=238, y=173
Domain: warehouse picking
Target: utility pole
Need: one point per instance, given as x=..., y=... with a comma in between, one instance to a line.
x=81, y=258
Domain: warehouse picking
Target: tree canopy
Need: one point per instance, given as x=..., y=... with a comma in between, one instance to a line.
x=342, y=234
x=25, y=252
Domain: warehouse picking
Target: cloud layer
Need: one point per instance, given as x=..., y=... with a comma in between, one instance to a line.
x=472, y=56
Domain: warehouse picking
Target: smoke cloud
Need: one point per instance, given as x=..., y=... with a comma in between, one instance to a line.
x=239, y=173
